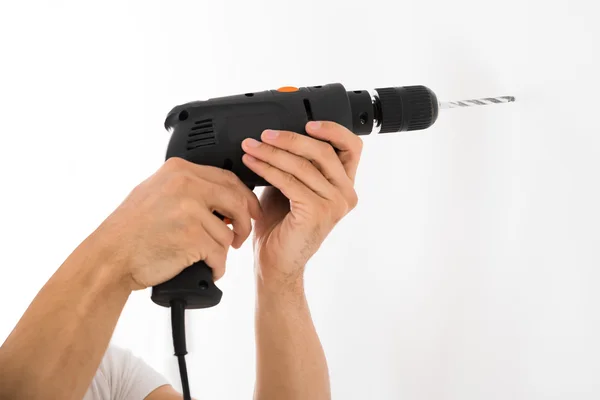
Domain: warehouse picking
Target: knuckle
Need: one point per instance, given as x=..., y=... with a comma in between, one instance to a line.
x=217, y=251
x=242, y=201
x=271, y=149
x=289, y=179
x=358, y=144
x=326, y=151
x=216, y=192
x=352, y=200
x=229, y=237
x=220, y=273
x=339, y=208
x=177, y=183
x=323, y=209
x=174, y=164
x=221, y=255
x=218, y=266
x=253, y=202
x=304, y=164
x=188, y=231
x=237, y=200
x=244, y=233
x=337, y=214
x=228, y=176
x=188, y=209
x=187, y=206
x=215, y=259
x=233, y=201
x=337, y=217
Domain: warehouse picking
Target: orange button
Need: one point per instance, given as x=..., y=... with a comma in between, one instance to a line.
x=286, y=89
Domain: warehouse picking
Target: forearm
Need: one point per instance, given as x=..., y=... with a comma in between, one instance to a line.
x=291, y=363
x=55, y=349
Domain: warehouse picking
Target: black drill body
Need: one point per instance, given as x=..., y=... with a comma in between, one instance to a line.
x=211, y=132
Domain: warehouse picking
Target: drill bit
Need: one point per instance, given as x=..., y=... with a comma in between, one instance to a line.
x=476, y=102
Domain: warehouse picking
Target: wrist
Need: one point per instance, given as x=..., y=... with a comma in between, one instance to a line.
x=88, y=276
x=272, y=282
x=106, y=262
x=281, y=299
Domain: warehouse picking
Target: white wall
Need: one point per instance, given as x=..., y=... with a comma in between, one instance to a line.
x=480, y=279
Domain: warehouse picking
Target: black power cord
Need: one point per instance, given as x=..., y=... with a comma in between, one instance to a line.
x=178, y=327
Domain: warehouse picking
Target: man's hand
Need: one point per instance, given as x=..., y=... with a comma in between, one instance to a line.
x=313, y=188
x=163, y=226
x=167, y=223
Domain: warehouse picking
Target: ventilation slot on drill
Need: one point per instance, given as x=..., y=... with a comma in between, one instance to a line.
x=201, y=134
x=309, y=113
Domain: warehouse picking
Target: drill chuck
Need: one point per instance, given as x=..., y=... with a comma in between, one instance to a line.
x=406, y=108
x=393, y=109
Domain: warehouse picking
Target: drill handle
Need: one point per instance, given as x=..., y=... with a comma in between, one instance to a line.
x=194, y=285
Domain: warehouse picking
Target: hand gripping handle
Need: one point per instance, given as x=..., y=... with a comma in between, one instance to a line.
x=194, y=285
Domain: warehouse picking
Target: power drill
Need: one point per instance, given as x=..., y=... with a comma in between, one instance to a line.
x=211, y=132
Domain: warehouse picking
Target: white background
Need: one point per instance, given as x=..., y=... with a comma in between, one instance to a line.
x=469, y=269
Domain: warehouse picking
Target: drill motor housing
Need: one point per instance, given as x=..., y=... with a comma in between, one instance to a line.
x=211, y=132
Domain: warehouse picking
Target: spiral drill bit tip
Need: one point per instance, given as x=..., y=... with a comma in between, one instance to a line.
x=476, y=102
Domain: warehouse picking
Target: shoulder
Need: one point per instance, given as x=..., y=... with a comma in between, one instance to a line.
x=122, y=375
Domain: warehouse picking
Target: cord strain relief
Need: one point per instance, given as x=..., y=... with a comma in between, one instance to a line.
x=178, y=327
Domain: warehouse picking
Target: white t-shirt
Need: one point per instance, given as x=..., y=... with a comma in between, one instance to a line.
x=123, y=376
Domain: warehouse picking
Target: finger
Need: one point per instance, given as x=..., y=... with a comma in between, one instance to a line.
x=209, y=251
x=299, y=167
x=227, y=178
x=218, y=176
x=320, y=153
x=200, y=194
x=216, y=257
x=227, y=202
x=348, y=143
x=218, y=230
x=288, y=184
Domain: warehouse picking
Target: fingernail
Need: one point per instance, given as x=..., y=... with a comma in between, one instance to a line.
x=250, y=158
x=314, y=125
x=252, y=143
x=270, y=134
